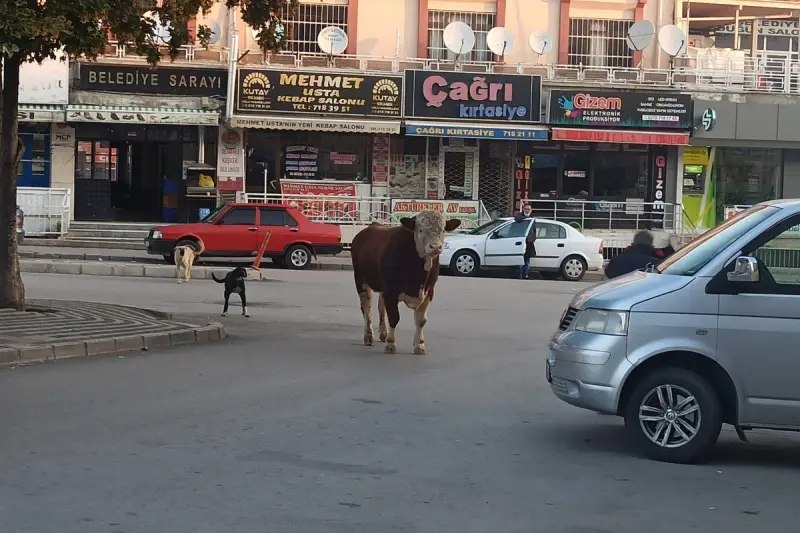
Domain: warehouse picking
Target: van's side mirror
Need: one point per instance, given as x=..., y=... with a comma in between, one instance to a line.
x=493, y=235
x=745, y=270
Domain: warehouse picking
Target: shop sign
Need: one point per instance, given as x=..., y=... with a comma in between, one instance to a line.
x=30, y=113
x=522, y=179
x=159, y=80
x=331, y=201
x=709, y=119
x=45, y=83
x=230, y=160
x=476, y=132
x=317, y=124
x=659, y=176
x=183, y=117
x=317, y=93
x=475, y=97
x=620, y=136
x=695, y=155
x=301, y=161
x=380, y=160
x=467, y=210
x=621, y=109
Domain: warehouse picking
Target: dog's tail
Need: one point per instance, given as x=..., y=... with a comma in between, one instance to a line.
x=217, y=280
x=199, y=248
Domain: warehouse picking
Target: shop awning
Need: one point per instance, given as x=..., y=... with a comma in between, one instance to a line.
x=41, y=113
x=141, y=115
x=621, y=136
x=351, y=125
x=501, y=130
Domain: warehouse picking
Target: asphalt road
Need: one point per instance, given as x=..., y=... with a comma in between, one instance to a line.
x=293, y=426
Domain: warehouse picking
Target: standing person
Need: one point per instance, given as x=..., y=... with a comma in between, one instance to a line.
x=640, y=254
x=530, y=239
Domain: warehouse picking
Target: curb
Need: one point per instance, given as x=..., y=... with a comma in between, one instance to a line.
x=26, y=354
x=139, y=270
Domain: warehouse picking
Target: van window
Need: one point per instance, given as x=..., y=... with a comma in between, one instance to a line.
x=780, y=257
x=698, y=253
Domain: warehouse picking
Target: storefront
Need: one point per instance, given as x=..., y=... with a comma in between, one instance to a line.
x=144, y=137
x=324, y=133
x=43, y=97
x=459, y=137
x=613, y=157
x=741, y=154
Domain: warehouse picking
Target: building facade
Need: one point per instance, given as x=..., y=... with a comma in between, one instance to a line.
x=587, y=128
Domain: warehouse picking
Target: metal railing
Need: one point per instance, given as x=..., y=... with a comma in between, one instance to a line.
x=48, y=212
x=614, y=215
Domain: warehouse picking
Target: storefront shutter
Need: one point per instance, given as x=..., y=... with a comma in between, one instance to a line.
x=791, y=174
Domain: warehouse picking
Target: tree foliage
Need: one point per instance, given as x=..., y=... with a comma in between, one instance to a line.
x=34, y=30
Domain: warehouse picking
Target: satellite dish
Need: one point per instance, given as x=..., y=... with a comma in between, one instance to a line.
x=640, y=35
x=459, y=38
x=332, y=40
x=216, y=32
x=161, y=32
x=672, y=40
x=500, y=41
x=540, y=42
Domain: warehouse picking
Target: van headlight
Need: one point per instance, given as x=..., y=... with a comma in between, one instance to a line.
x=602, y=321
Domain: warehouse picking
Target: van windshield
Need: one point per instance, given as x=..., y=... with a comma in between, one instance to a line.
x=697, y=254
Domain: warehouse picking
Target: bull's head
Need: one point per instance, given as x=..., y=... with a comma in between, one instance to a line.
x=429, y=228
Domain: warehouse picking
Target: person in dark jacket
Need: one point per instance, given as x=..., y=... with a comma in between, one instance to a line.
x=530, y=239
x=640, y=254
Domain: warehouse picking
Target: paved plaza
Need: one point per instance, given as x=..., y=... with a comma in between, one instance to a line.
x=292, y=425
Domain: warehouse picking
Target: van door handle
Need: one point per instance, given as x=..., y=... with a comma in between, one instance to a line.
x=518, y=243
x=252, y=229
x=561, y=245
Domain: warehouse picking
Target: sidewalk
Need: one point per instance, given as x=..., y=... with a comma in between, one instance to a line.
x=51, y=330
x=138, y=263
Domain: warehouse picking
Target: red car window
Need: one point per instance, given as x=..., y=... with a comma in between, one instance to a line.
x=271, y=217
x=240, y=216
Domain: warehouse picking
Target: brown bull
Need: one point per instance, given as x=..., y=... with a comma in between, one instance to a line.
x=402, y=264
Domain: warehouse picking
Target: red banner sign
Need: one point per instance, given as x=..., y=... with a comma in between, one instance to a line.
x=617, y=136
x=318, y=200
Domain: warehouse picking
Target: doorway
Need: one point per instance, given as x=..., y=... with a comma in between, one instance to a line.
x=458, y=168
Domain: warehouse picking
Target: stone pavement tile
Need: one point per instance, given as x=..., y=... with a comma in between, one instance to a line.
x=55, y=329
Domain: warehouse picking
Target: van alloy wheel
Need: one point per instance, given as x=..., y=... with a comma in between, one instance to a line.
x=670, y=416
x=673, y=414
x=464, y=264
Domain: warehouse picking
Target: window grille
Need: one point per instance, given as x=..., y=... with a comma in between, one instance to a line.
x=599, y=43
x=308, y=20
x=480, y=23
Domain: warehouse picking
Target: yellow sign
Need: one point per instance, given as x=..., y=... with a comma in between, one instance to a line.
x=695, y=155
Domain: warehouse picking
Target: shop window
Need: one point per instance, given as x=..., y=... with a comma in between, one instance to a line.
x=620, y=173
x=34, y=164
x=96, y=160
x=576, y=173
x=240, y=216
x=309, y=19
x=544, y=174
x=747, y=176
x=599, y=43
x=407, y=165
x=480, y=23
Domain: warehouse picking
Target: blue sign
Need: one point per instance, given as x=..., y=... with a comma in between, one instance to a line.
x=476, y=132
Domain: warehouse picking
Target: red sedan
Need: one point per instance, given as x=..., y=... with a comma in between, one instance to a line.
x=237, y=230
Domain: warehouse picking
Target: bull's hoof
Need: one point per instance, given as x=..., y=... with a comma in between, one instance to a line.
x=367, y=340
x=390, y=348
x=419, y=350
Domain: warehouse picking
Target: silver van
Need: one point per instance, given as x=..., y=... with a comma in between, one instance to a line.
x=707, y=337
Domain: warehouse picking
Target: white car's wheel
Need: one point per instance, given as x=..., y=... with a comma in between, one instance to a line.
x=573, y=268
x=464, y=263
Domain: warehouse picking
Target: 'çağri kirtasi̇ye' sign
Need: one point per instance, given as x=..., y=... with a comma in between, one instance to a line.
x=473, y=97
x=267, y=91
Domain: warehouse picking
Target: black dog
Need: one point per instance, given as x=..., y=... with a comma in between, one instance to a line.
x=234, y=283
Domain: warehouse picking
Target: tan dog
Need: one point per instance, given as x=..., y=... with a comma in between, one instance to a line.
x=185, y=257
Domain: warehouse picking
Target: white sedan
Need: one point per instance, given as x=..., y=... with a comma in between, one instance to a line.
x=560, y=248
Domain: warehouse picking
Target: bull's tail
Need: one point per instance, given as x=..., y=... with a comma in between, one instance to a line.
x=217, y=280
x=199, y=248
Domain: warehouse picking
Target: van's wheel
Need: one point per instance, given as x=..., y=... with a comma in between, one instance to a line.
x=573, y=268
x=674, y=415
x=298, y=257
x=464, y=263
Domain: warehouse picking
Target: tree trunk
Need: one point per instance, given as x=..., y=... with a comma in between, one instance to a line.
x=12, y=291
